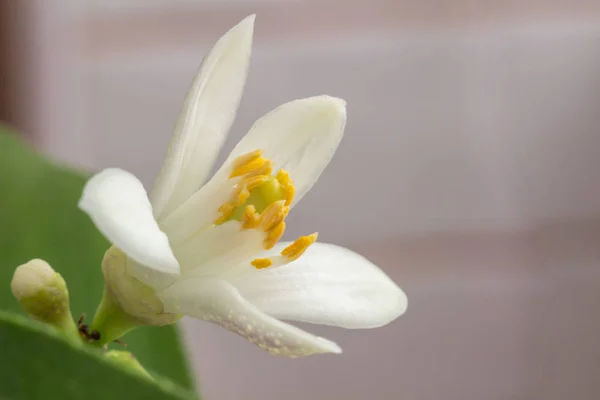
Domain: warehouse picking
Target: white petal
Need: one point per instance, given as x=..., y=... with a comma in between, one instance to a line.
x=117, y=203
x=218, y=249
x=300, y=136
x=208, y=112
x=200, y=211
x=327, y=285
x=219, y=302
x=156, y=279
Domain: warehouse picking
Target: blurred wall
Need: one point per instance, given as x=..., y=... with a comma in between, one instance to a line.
x=448, y=130
x=468, y=172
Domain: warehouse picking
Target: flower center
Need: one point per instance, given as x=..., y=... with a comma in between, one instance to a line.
x=262, y=201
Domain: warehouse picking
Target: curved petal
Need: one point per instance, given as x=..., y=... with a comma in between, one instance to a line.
x=117, y=203
x=217, y=301
x=327, y=285
x=208, y=112
x=300, y=136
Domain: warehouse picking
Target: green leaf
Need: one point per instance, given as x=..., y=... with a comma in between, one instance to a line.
x=37, y=362
x=39, y=218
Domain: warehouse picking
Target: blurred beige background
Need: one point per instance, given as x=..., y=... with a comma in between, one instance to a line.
x=473, y=134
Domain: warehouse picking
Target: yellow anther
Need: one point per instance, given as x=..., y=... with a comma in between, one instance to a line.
x=283, y=177
x=241, y=196
x=246, y=158
x=274, y=235
x=273, y=215
x=251, y=166
x=290, y=190
x=265, y=168
x=254, y=181
x=259, y=199
x=261, y=263
x=296, y=249
x=250, y=219
x=226, y=210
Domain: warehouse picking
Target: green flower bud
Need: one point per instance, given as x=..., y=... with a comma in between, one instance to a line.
x=43, y=294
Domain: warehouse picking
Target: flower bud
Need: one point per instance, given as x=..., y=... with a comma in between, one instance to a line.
x=43, y=294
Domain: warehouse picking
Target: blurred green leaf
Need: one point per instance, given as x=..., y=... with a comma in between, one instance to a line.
x=39, y=218
x=37, y=362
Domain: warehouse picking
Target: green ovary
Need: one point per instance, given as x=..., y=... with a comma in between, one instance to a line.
x=260, y=197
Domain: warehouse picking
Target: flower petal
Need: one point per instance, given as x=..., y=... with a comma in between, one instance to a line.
x=327, y=285
x=200, y=211
x=300, y=136
x=218, y=249
x=117, y=203
x=217, y=301
x=208, y=112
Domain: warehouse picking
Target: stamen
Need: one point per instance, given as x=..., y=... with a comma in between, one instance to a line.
x=254, y=181
x=273, y=215
x=250, y=219
x=290, y=190
x=261, y=263
x=226, y=210
x=296, y=249
x=274, y=235
x=246, y=158
x=254, y=165
x=283, y=177
x=256, y=188
x=265, y=168
x=241, y=196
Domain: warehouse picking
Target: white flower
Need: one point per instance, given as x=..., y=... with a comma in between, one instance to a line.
x=210, y=251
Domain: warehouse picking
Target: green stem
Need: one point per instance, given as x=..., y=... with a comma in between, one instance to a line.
x=68, y=326
x=111, y=321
